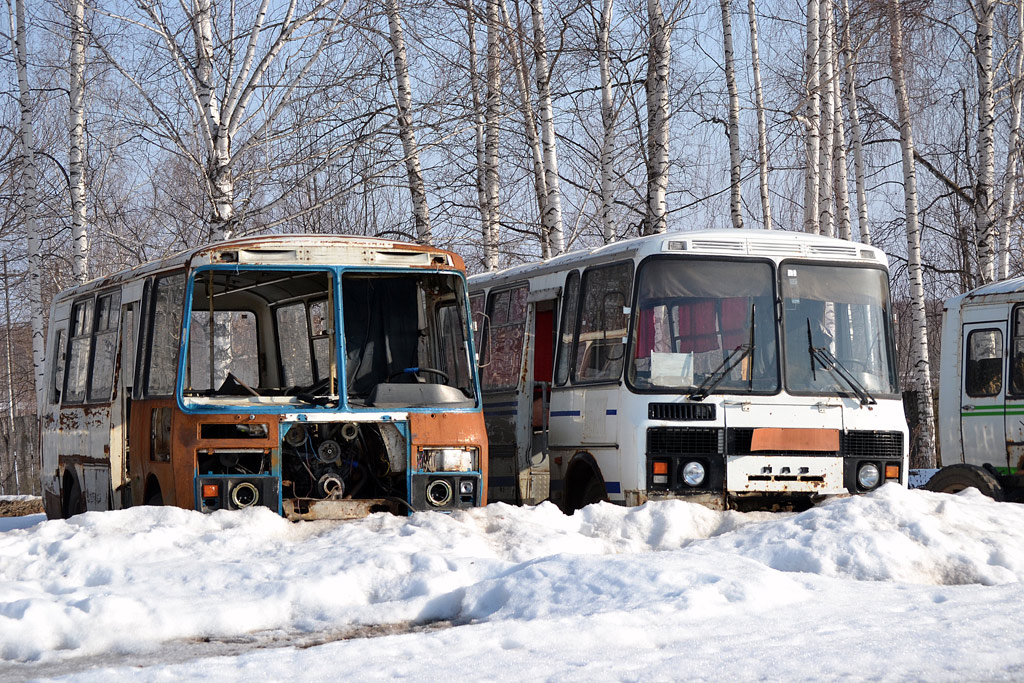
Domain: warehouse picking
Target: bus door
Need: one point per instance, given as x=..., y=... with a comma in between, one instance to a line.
x=983, y=392
x=534, y=400
x=1015, y=392
x=120, y=409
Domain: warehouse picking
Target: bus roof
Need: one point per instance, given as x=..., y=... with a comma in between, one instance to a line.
x=740, y=243
x=301, y=249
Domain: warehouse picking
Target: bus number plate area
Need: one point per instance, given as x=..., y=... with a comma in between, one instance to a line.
x=784, y=474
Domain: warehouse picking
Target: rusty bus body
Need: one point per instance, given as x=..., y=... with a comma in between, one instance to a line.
x=213, y=380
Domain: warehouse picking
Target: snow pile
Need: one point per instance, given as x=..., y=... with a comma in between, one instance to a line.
x=125, y=582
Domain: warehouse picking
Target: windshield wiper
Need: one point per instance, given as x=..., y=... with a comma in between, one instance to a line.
x=822, y=355
x=728, y=363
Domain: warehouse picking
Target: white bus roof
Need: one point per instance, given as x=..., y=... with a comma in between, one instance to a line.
x=303, y=249
x=740, y=243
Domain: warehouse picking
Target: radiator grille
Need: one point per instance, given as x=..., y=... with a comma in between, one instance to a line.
x=869, y=444
x=681, y=412
x=675, y=440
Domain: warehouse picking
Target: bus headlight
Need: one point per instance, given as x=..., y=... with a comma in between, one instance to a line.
x=693, y=473
x=868, y=476
x=448, y=460
x=439, y=493
x=244, y=495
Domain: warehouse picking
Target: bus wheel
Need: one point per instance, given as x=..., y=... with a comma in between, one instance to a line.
x=956, y=478
x=72, y=502
x=594, y=492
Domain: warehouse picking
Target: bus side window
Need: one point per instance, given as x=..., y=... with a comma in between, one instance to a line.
x=104, y=346
x=1017, y=351
x=507, y=313
x=983, y=375
x=77, y=373
x=165, y=312
x=57, y=361
x=601, y=342
x=570, y=303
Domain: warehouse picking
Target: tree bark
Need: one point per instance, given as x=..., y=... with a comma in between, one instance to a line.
x=30, y=200
x=479, y=121
x=76, y=148
x=844, y=226
x=552, y=218
x=813, y=112
x=983, y=223
x=762, y=134
x=826, y=217
x=493, y=133
x=919, y=345
x=406, y=129
x=855, y=133
x=735, y=168
x=607, y=124
x=656, y=85
x=1012, y=149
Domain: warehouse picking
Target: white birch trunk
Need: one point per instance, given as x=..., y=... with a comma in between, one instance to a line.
x=492, y=135
x=813, y=112
x=552, y=218
x=855, y=133
x=658, y=59
x=406, y=130
x=478, y=131
x=826, y=225
x=762, y=134
x=530, y=129
x=607, y=124
x=844, y=226
x=983, y=223
x=76, y=147
x=919, y=345
x=735, y=169
x=30, y=200
x=1012, y=150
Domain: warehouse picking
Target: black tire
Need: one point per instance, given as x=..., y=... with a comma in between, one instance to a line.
x=72, y=502
x=593, y=492
x=956, y=478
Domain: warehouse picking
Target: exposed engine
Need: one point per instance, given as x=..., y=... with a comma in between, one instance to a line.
x=339, y=461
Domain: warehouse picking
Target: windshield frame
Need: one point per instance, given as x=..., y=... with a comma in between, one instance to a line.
x=772, y=315
x=339, y=402
x=887, y=330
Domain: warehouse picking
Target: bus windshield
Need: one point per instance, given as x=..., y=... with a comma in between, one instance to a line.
x=270, y=336
x=704, y=323
x=836, y=322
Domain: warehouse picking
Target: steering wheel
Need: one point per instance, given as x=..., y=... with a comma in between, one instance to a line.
x=238, y=380
x=416, y=371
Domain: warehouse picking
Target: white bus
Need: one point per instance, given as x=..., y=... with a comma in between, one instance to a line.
x=981, y=392
x=731, y=368
x=319, y=376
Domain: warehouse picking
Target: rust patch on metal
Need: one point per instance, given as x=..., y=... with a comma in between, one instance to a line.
x=309, y=509
x=789, y=439
x=451, y=429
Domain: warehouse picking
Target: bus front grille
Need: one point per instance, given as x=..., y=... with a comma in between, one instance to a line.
x=681, y=412
x=679, y=440
x=871, y=444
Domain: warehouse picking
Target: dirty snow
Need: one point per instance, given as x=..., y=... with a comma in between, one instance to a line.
x=894, y=585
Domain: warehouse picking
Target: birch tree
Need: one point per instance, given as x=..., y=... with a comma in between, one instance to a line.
x=1012, y=149
x=607, y=123
x=483, y=200
x=552, y=217
x=492, y=134
x=30, y=200
x=812, y=117
x=222, y=77
x=919, y=348
x=406, y=130
x=826, y=119
x=656, y=86
x=844, y=226
x=76, y=148
x=735, y=170
x=762, y=133
x=983, y=223
x=856, y=137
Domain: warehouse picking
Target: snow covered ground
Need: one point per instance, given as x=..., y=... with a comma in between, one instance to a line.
x=895, y=585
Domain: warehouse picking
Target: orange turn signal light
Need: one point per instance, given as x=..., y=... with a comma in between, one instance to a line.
x=892, y=471
x=211, y=490
x=660, y=467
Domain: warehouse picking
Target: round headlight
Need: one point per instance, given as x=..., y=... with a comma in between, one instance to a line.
x=693, y=474
x=244, y=495
x=439, y=493
x=868, y=476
